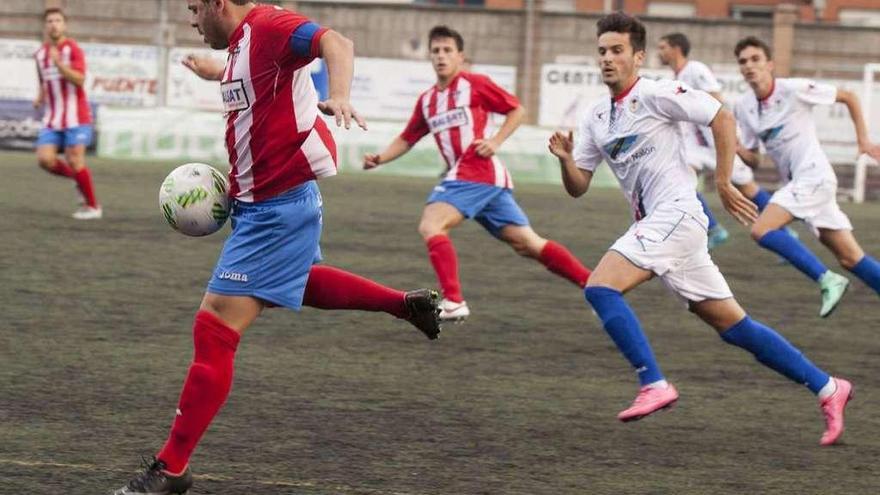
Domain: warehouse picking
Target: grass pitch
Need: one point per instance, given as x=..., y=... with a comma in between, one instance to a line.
x=521, y=399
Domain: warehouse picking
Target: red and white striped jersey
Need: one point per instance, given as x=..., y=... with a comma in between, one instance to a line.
x=274, y=135
x=457, y=117
x=65, y=102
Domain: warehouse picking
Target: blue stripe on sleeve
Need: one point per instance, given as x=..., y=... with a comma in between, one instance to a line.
x=301, y=40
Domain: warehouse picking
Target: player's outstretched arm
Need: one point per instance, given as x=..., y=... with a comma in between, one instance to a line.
x=488, y=147
x=338, y=53
x=575, y=180
x=851, y=101
x=204, y=67
x=724, y=131
x=397, y=148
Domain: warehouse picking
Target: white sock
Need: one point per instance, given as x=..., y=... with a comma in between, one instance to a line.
x=829, y=389
x=664, y=384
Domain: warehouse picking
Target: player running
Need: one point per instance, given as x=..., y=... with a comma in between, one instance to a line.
x=674, y=50
x=476, y=184
x=778, y=115
x=636, y=131
x=67, y=120
x=278, y=146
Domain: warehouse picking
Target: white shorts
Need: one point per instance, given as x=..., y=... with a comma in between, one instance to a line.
x=703, y=158
x=813, y=202
x=671, y=242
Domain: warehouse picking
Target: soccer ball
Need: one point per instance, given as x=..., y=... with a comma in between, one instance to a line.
x=194, y=199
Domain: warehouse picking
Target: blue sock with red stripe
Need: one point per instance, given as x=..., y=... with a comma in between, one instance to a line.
x=624, y=329
x=712, y=221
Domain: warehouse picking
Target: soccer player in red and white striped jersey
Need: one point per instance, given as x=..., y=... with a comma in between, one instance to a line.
x=476, y=185
x=278, y=146
x=67, y=122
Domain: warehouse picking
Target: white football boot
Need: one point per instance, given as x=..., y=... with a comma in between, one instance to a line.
x=88, y=213
x=453, y=311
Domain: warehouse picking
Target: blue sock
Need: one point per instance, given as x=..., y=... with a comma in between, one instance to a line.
x=868, y=269
x=773, y=351
x=762, y=198
x=624, y=329
x=707, y=211
x=782, y=243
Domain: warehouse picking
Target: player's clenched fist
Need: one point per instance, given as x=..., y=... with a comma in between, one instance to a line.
x=371, y=160
x=561, y=144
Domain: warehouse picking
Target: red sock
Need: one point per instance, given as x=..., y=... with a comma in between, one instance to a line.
x=63, y=169
x=560, y=261
x=84, y=181
x=204, y=391
x=332, y=288
x=442, y=254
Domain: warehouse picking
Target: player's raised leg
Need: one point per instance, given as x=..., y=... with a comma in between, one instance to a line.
x=614, y=276
x=772, y=350
x=768, y=232
x=438, y=218
x=553, y=255
x=333, y=288
x=851, y=256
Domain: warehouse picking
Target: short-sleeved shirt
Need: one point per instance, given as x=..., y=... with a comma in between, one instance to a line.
x=698, y=76
x=274, y=135
x=66, y=104
x=638, y=134
x=783, y=123
x=457, y=116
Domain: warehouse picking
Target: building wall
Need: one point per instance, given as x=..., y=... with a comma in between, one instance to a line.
x=492, y=36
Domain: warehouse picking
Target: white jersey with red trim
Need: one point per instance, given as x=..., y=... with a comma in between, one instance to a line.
x=66, y=104
x=783, y=123
x=457, y=116
x=274, y=136
x=638, y=134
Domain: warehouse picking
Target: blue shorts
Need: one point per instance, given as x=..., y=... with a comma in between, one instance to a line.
x=272, y=247
x=66, y=138
x=493, y=207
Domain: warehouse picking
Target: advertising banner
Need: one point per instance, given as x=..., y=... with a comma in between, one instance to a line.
x=19, y=124
x=122, y=75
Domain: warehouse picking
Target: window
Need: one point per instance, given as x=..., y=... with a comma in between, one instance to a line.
x=860, y=17
x=672, y=9
x=751, y=12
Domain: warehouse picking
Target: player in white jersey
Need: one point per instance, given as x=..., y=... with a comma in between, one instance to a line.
x=637, y=132
x=673, y=51
x=778, y=116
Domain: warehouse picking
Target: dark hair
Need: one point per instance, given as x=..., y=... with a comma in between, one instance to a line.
x=755, y=42
x=446, y=32
x=679, y=40
x=618, y=22
x=53, y=10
